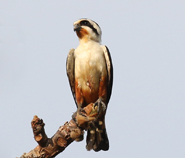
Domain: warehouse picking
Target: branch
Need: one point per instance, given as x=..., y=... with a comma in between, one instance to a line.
x=66, y=134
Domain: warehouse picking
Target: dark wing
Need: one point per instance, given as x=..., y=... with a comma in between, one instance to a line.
x=109, y=70
x=70, y=68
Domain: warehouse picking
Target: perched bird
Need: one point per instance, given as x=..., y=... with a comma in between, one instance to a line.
x=90, y=74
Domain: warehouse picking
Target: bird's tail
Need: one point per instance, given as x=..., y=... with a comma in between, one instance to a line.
x=97, y=138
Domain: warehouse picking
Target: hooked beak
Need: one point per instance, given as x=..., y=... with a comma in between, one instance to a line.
x=77, y=27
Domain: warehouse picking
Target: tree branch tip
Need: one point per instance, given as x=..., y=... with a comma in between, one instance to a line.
x=66, y=134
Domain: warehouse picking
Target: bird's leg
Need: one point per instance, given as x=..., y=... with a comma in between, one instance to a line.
x=80, y=111
x=100, y=103
x=101, y=106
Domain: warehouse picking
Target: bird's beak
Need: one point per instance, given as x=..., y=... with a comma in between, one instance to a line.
x=77, y=27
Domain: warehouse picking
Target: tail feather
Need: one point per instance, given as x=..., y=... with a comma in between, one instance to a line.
x=97, y=138
x=90, y=139
x=103, y=144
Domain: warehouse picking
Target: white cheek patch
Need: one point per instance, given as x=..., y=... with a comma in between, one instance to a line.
x=92, y=35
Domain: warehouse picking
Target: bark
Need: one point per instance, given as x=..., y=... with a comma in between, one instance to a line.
x=66, y=134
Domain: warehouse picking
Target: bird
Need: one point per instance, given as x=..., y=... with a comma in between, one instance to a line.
x=90, y=74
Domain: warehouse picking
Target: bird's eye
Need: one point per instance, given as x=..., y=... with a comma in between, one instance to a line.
x=85, y=22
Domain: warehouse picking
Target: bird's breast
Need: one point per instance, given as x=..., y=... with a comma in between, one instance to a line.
x=89, y=67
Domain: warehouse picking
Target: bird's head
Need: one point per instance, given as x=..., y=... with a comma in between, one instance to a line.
x=87, y=29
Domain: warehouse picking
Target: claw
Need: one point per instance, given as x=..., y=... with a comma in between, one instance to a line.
x=81, y=111
x=101, y=105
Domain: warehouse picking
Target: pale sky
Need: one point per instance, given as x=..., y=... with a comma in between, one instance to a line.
x=146, y=39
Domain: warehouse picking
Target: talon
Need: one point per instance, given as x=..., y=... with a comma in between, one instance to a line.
x=81, y=111
x=101, y=105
